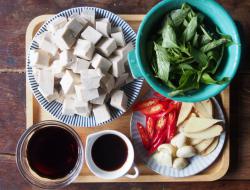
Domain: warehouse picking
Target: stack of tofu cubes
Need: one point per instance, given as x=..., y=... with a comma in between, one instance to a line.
x=82, y=63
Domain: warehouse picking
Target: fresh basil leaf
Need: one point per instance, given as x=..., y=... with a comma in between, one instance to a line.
x=169, y=37
x=195, y=42
x=189, y=32
x=178, y=16
x=207, y=79
x=215, y=58
x=200, y=57
x=213, y=44
x=163, y=64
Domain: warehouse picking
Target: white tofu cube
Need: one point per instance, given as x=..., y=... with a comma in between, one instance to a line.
x=68, y=107
x=91, y=35
x=80, y=65
x=123, y=51
x=91, y=78
x=67, y=82
x=90, y=73
x=80, y=19
x=108, y=83
x=64, y=38
x=103, y=27
x=84, y=49
x=57, y=69
x=101, y=113
x=116, y=29
x=118, y=67
x=39, y=59
x=46, y=35
x=101, y=62
x=89, y=15
x=129, y=79
x=67, y=58
x=83, y=108
x=106, y=46
x=74, y=26
x=119, y=100
x=101, y=99
x=77, y=78
x=49, y=47
x=46, y=82
x=120, y=81
x=86, y=94
x=119, y=38
x=50, y=97
x=56, y=24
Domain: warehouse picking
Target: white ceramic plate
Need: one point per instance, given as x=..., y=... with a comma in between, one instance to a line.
x=197, y=163
x=54, y=108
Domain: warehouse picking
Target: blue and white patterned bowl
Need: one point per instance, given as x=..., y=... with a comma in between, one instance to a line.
x=54, y=108
x=197, y=163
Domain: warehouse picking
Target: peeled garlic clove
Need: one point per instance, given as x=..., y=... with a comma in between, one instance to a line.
x=169, y=148
x=163, y=158
x=180, y=163
x=179, y=140
x=186, y=152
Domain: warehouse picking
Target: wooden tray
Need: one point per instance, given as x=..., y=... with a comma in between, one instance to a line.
x=34, y=114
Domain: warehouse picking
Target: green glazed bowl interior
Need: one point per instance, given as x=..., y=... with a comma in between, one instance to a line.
x=218, y=15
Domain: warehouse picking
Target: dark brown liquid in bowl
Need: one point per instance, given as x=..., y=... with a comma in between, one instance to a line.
x=52, y=152
x=109, y=152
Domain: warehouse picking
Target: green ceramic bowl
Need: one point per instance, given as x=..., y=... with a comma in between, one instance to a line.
x=140, y=66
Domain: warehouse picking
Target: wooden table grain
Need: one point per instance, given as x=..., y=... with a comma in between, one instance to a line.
x=14, y=18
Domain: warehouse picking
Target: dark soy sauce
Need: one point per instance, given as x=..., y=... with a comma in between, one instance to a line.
x=109, y=152
x=52, y=152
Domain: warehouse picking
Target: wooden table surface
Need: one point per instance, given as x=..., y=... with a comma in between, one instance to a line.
x=14, y=18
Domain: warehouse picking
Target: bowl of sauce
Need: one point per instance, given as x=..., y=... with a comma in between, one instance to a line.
x=50, y=155
x=110, y=155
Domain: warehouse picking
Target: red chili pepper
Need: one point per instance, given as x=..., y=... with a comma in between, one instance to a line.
x=152, y=110
x=159, y=141
x=161, y=123
x=171, y=122
x=150, y=126
x=170, y=108
x=144, y=104
x=144, y=135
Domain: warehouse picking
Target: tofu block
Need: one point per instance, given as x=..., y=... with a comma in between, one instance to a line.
x=46, y=82
x=101, y=113
x=74, y=27
x=106, y=46
x=51, y=97
x=103, y=20
x=108, y=83
x=67, y=82
x=91, y=35
x=119, y=100
x=80, y=19
x=57, y=23
x=68, y=107
x=91, y=78
x=80, y=65
x=123, y=51
x=89, y=15
x=119, y=38
x=77, y=78
x=118, y=67
x=39, y=59
x=120, y=81
x=103, y=27
x=90, y=73
x=57, y=69
x=64, y=38
x=116, y=29
x=48, y=47
x=67, y=58
x=46, y=35
x=83, y=108
x=101, y=62
x=101, y=99
x=84, y=49
x=86, y=94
